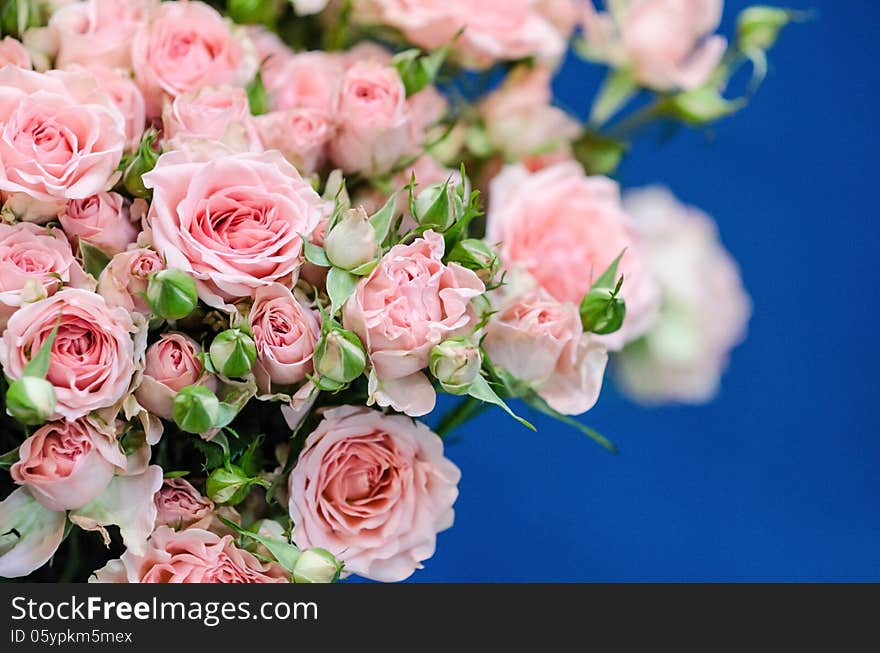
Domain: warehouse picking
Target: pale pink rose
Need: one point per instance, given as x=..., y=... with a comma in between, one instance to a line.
x=186, y=46
x=374, y=490
x=426, y=108
x=179, y=505
x=125, y=94
x=67, y=464
x=171, y=364
x=60, y=136
x=520, y=119
x=236, y=223
x=12, y=53
x=285, y=332
x=565, y=229
x=541, y=341
x=192, y=555
x=272, y=52
x=92, y=360
x=102, y=220
x=34, y=263
x=373, y=120
x=219, y=113
x=97, y=31
x=493, y=30
x=668, y=44
x=563, y=14
x=365, y=51
x=21, y=207
x=125, y=280
x=309, y=80
x=410, y=302
x=705, y=309
x=301, y=135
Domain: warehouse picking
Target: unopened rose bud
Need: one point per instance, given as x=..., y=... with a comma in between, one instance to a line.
x=316, y=566
x=233, y=353
x=30, y=400
x=196, y=409
x=602, y=311
x=143, y=160
x=351, y=242
x=758, y=27
x=335, y=191
x=172, y=294
x=228, y=485
x=476, y=255
x=456, y=363
x=439, y=206
x=339, y=359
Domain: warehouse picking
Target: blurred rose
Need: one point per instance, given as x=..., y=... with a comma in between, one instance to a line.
x=410, y=302
x=236, y=223
x=97, y=31
x=171, y=364
x=705, y=308
x=565, y=229
x=12, y=53
x=192, y=555
x=67, y=464
x=219, y=113
x=60, y=136
x=666, y=43
x=92, y=360
x=285, y=332
x=374, y=490
x=125, y=280
x=187, y=46
x=301, y=135
x=34, y=263
x=102, y=220
x=309, y=80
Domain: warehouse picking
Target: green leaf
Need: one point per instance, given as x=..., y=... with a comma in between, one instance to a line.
x=176, y=474
x=480, y=389
x=94, y=260
x=38, y=366
x=535, y=401
x=600, y=155
x=700, y=106
x=258, y=98
x=382, y=219
x=609, y=277
x=340, y=286
x=285, y=553
x=8, y=459
x=618, y=88
x=316, y=254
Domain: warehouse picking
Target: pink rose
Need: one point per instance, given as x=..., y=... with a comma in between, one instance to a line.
x=125, y=279
x=97, y=31
x=410, y=302
x=272, y=52
x=171, y=364
x=67, y=464
x=34, y=263
x=373, y=120
x=301, y=135
x=309, y=80
x=179, y=505
x=541, y=341
x=665, y=42
x=24, y=208
x=705, y=307
x=216, y=113
x=374, y=490
x=12, y=53
x=285, y=331
x=493, y=30
x=60, y=136
x=520, y=119
x=187, y=46
x=565, y=229
x=426, y=108
x=92, y=360
x=236, y=223
x=192, y=555
x=102, y=220
x=127, y=97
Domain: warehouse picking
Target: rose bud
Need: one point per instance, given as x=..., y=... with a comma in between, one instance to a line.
x=196, y=409
x=602, y=311
x=30, y=400
x=474, y=254
x=141, y=163
x=228, y=485
x=758, y=27
x=351, y=243
x=233, y=353
x=456, y=363
x=172, y=294
x=316, y=566
x=171, y=363
x=439, y=206
x=339, y=359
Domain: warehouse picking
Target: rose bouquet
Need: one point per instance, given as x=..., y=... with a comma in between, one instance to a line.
x=245, y=245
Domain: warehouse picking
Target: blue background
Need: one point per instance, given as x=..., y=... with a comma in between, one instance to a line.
x=777, y=479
